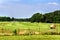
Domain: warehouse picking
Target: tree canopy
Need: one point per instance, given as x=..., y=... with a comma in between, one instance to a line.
x=51, y=17
x=36, y=17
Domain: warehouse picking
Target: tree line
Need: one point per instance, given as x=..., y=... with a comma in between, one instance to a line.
x=51, y=17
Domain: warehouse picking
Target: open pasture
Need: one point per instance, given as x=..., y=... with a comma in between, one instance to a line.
x=27, y=25
x=42, y=27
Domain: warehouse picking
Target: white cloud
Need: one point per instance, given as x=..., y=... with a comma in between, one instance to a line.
x=53, y=3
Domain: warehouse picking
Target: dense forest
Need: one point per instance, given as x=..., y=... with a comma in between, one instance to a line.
x=51, y=17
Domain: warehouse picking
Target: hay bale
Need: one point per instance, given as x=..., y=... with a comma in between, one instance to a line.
x=2, y=34
x=53, y=26
x=37, y=33
x=22, y=31
x=8, y=34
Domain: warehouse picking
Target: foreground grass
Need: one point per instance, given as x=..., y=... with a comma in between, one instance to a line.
x=31, y=37
x=43, y=27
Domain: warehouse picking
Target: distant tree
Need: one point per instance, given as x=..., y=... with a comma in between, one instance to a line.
x=5, y=18
x=52, y=17
x=36, y=17
x=43, y=19
x=12, y=18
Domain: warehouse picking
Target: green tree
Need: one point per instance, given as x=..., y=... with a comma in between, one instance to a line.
x=12, y=18
x=52, y=17
x=36, y=17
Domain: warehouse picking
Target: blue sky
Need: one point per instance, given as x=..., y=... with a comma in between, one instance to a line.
x=26, y=8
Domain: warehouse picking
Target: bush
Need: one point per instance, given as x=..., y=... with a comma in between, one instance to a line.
x=15, y=32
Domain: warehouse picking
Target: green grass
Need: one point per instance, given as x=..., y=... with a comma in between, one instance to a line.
x=43, y=27
x=27, y=25
x=31, y=37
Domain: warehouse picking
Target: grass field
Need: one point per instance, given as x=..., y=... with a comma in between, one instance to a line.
x=31, y=37
x=27, y=25
x=42, y=27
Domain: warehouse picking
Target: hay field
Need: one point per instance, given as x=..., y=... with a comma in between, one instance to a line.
x=42, y=27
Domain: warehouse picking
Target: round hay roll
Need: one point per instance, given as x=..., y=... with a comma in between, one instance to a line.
x=53, y=26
